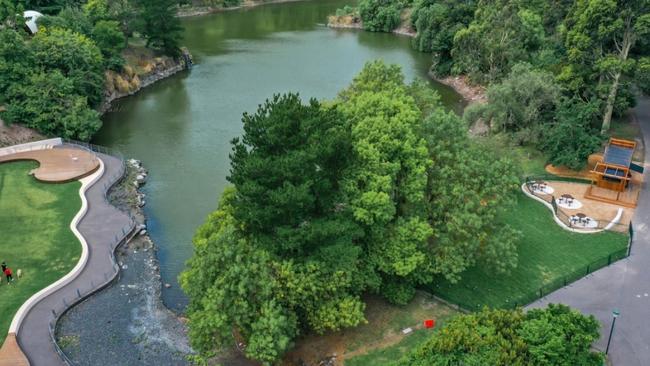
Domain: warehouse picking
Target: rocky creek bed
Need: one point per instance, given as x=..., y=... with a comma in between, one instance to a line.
x=126, y=323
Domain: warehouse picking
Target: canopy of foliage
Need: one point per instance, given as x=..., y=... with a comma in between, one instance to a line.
x=54, y=80
x=557, y=336
x=377, y=191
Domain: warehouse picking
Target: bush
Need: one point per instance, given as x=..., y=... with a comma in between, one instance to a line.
x=379, y=15
x=556, y=335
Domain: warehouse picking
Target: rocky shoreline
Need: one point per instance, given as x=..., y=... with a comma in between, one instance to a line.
x=120, y=85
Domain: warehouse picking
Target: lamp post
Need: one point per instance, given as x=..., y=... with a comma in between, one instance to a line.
x=615, y=314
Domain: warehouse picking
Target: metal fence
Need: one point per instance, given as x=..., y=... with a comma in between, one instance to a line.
x=546, y=288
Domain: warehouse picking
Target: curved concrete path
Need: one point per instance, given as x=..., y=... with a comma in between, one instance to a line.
x=103, y=227
x=625, y=285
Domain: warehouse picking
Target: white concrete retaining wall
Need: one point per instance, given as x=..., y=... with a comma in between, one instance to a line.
x=36, y=145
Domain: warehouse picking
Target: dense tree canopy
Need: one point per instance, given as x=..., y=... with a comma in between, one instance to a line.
x=436, y=23
x=380, y=15
x=557, y=336
x=521, y=104
x=52, y=81
x=333, y=201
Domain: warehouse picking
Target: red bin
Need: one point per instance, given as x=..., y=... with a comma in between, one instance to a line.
x=429, y=323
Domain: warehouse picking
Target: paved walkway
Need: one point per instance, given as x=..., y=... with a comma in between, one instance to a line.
x=624, y=285
x=102, y=227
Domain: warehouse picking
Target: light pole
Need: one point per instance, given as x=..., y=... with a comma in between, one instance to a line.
x=615, y=313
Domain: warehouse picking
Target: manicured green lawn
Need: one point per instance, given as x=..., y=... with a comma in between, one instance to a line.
x=547, y=255
x=34, y=234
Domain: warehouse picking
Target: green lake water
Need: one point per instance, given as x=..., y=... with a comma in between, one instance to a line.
x=181, y=127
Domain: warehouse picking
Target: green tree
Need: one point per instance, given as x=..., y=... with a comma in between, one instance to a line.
x=386, y=184
x=600, y=38
x=46, y=101
x=111, y=41
x=16, y=60
x=380, y=15
x=521, y=104
x=75, y=56
x=160, y=26
x=570, y=138
x=556, y=335
x=436, y=23
x=467, y=188
x=502, y=34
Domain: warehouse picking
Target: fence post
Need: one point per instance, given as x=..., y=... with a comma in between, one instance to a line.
x=540, y=292
x=609, y=260
x=78, y=293
x=587, y=269
x=554, y=204
x=630, y=240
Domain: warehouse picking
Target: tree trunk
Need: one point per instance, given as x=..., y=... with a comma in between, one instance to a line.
x=611, y=98
x=628, y=40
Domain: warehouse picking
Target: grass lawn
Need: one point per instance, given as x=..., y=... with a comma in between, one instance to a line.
x=378, y=340
x=547, y=255
x=390, y=354
x=35, y=234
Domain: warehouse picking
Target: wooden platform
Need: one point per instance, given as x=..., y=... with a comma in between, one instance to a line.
x=10, y=353
x=58, y=165
x=627, y=198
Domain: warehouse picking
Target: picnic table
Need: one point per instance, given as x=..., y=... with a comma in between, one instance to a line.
x=581, y=218
x=566, y=197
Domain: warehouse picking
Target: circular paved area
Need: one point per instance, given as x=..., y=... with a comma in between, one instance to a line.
x=58, y=164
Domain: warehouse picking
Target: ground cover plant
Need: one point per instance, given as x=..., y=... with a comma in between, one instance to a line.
x=556, y=335
x=546, y=253
x=36, y=236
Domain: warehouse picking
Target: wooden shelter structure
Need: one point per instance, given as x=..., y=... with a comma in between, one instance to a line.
x=612, y=176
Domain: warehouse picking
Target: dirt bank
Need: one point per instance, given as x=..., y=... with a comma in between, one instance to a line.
x=471, y=93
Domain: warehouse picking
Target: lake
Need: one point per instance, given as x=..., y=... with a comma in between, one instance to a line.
x=181, y=127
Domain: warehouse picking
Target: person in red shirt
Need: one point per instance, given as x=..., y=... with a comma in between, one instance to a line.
x=8, y=274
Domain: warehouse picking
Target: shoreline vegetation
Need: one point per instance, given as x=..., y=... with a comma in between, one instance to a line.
x=192, y=10
x=459, y=83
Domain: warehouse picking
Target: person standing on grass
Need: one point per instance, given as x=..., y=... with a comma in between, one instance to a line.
x=4, y=266
x=8, y=274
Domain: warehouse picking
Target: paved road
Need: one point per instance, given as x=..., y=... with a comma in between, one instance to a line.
x=624, y=285
x=99, y=226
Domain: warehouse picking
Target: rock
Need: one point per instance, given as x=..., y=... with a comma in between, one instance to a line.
x=143, y=232
x=125, y=266
x=140, y=179
x=142, y=226
x=167, y=285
